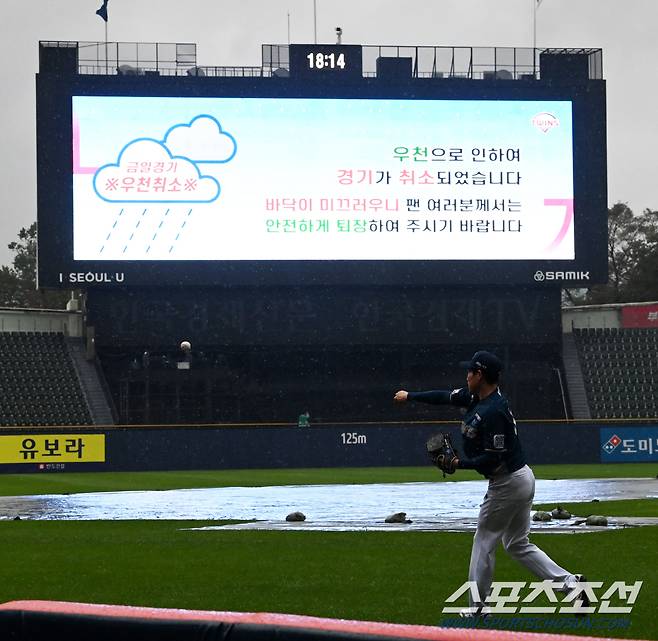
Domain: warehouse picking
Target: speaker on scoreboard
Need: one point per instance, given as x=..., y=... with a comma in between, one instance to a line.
x=564, y=67
x=129, y=70
x=499, y=74
x=58, y=57
x=394, y=68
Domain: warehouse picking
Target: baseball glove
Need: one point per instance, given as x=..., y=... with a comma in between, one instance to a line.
x=442, y=452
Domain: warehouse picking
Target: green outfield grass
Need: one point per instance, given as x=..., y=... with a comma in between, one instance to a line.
x=69, y=482
x=399, y=577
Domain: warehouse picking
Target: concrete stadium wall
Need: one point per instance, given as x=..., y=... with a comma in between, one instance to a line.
x=65, y=322
x=583, y=317
x=602, y=316
x=345, y=445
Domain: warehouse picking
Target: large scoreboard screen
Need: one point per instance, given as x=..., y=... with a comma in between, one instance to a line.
x=147, y=181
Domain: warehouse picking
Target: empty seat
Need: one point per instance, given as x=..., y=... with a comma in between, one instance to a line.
x=619, y=378
x=39, y=383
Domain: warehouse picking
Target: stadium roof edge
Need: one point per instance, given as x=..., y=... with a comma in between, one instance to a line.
x=607, y=306
x=40, y=309
x=428, y=61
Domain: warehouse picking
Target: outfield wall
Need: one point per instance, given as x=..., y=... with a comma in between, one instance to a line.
x=285, y=446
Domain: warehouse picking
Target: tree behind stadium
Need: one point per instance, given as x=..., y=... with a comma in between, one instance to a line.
x=632, y=260
x=18, y=283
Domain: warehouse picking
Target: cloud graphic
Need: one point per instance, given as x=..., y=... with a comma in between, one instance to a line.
x=145, y=172
x=202, y=141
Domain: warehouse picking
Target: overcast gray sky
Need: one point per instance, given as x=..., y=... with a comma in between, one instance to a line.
x=230, y=33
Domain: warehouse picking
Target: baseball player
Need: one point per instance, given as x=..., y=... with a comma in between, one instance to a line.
x=491, y=446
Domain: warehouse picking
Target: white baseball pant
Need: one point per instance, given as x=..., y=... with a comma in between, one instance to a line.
x=505, y=516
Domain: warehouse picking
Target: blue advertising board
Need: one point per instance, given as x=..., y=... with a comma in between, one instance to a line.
x=628, y=444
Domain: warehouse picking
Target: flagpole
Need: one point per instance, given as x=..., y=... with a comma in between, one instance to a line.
x=102, y=13
x=106, y=61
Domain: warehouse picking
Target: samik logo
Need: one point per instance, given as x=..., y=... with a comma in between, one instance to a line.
x=545, y=121
x=541, y=276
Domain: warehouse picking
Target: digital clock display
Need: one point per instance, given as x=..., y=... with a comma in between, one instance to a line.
x=324, y=61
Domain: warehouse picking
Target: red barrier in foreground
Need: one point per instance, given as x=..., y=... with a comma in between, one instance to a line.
x=41, y=620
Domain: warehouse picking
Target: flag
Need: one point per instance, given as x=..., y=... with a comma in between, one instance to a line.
x=102, y=12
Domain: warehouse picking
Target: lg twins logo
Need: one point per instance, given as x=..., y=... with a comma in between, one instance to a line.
x=545, y=121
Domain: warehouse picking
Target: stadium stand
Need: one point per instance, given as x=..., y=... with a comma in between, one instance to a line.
x=50, y=377
x=334, y=383
x=39, y=381
x=620, y=370
x=263, y=355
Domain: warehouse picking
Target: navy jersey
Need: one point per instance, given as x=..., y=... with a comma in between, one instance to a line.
x=490, y=439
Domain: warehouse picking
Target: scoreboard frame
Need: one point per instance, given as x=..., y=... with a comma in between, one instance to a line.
x=58, y=269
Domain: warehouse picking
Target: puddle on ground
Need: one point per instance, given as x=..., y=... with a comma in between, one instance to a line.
x=430, y=506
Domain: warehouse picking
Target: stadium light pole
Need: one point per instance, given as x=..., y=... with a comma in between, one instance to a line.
x=535, y=6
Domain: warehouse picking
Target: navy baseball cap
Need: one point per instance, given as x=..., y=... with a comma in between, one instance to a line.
x=484, y=361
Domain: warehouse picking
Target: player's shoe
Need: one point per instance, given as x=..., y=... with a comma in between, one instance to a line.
x=476, y=613
x=582, y=600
